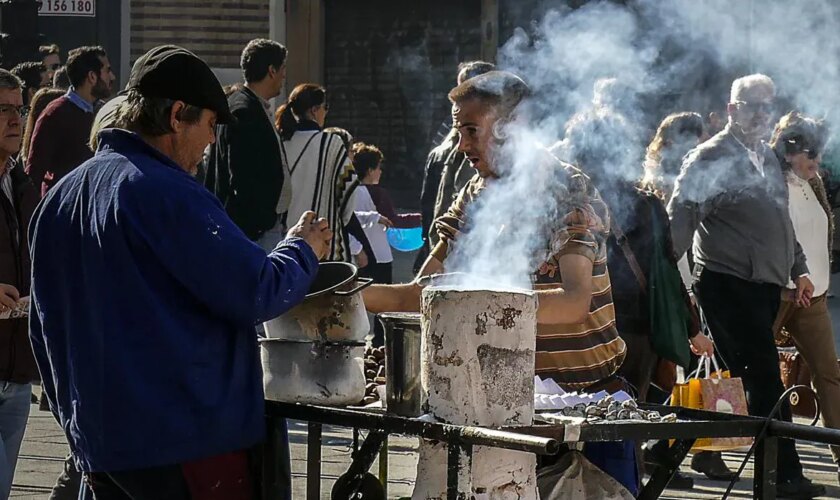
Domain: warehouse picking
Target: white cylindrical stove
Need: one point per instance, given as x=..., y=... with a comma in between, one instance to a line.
x=478, y=369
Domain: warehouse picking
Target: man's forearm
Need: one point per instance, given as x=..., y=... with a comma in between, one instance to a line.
x=568, y=304
x=392, y=298
x=561, y=307
x=400, y=298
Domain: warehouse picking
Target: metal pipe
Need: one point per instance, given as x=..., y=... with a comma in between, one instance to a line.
x=400, y=425
x=804, y=432
x=523, y=442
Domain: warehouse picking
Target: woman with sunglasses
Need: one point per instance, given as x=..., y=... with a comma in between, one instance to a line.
x=798, y=142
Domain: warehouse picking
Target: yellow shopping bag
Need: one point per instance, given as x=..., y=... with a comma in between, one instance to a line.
x=718, y=392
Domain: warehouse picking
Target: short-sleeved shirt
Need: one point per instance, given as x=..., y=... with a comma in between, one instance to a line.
x=574, y=355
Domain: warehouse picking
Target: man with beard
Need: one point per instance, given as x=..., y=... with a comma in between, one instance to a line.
x=60, y=140
x=732, y=200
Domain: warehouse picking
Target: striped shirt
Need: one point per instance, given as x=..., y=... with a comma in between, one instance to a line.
x=574, y=355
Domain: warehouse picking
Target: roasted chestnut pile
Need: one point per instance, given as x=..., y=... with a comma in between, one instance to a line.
x=374, y=373
x=610, y=409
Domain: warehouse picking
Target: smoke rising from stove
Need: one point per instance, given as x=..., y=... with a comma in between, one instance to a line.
x=608, y=60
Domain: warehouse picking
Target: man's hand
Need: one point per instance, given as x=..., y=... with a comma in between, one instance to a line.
x=315, y=232
x=701, y=344
x=9, y=297
x=804, y=291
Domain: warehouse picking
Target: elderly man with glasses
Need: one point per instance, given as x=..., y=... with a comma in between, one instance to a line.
x=732, y=201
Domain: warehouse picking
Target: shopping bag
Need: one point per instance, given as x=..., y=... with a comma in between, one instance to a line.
x=573, y=477
x=670, y=315
x=713, y=391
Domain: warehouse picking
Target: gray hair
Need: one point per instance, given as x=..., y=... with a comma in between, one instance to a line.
x=149, y=116
x=106, y=117
x=9, y=81
x=746, y=83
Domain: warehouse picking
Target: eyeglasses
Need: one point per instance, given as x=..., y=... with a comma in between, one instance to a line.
x=755, y=107
x=7, y=110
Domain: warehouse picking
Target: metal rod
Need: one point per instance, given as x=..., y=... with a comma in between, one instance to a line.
x=401, y=425
x=480, y=436
x=459, y=471
x=663, y=473
x=313, y=462
x=453, y=466
x=804, y=432
x=383, y=466
x=764, y=481
x=273, y=469
x=364, y=458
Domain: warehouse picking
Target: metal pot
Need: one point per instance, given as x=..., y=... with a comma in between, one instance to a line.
x=328, y=373
x=333, y=309
x=403, y=389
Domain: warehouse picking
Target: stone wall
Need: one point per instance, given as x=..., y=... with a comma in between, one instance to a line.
x=388, y=67
x=215, y=30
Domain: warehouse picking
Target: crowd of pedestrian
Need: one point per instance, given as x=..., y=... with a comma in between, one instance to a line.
x=175, y=217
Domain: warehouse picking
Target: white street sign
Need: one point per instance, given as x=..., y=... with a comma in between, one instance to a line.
x=76, y=8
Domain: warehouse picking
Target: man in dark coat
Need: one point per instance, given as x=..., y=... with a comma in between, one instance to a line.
x=246, y=169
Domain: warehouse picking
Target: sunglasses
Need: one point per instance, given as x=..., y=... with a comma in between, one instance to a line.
x=812, y=153
x=755, y=107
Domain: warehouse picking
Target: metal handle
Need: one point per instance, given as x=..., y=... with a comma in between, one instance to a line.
x=363, y=283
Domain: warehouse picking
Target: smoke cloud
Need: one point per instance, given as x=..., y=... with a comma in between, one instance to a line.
x=632, y=65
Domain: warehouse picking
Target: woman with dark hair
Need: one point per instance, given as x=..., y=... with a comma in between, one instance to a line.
x=39, y=102
x=798, y=142
x=323, y=179
x=676, y=135
x=605, y=147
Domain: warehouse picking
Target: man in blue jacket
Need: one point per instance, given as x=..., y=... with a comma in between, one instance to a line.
x=145, y=295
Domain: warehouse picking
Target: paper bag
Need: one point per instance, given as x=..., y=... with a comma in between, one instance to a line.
x=718, y=392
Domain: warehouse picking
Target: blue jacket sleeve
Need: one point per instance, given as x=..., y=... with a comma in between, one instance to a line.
x=188, y=232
